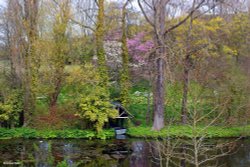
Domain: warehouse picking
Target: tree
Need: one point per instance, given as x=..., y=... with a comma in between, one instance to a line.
x=138, y=47
x=187, y=68
x=13, y=41
x=99, y=35
x=124, y=81
x=60, y=51
x=157, y=20
x=96, y=109
x=31, y=65
x=13, y=31
x=158, y=25
x=92, y=99
x=21, y=32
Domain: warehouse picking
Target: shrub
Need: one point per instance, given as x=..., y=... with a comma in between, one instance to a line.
x=97, y=108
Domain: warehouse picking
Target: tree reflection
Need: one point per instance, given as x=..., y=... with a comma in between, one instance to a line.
x=43, y=154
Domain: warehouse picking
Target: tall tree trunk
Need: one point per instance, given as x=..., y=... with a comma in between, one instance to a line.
x=31, y=14
x=185, y=89
x=187, y=68
x=159, y=95
x=159, y=79
x=124, y=81
x=54, y=96
x=99, y=34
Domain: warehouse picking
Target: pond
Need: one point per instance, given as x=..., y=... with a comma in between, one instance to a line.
x=124, y=153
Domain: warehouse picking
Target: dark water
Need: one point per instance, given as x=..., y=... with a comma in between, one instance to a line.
x=124, y=153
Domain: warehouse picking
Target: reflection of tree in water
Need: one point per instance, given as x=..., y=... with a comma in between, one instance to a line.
x=43, y=154
x=187, y=153
x=45, y=157
x=70, y=155
x=197, y=150
x=151, y=153
x=242, y=158
x=140, y=155
x=68, y=151
x=102, y=162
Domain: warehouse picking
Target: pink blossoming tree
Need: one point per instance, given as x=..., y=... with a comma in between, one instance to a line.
x=138, y=47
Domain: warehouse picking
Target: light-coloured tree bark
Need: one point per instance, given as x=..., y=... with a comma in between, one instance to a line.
x=155, y=13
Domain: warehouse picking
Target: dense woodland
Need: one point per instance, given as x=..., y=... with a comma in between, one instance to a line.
x=169, y=62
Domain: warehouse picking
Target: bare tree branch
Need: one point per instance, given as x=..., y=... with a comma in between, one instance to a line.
x=81, y=24
x=185, y=19
x=144, y=14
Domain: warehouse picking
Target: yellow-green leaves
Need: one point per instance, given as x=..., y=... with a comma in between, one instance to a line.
x=11, y=107
x=5, y=111
x=97, y=108
x=93, y=99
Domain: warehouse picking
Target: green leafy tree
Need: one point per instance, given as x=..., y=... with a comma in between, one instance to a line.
x=97, y=108
x=92, y=99
x=60, y=51
x=11, y=107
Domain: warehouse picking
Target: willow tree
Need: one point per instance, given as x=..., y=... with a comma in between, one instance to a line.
x=124, y=73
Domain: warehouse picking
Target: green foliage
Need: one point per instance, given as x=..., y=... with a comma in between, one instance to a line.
x=81, y=50
x=53, y=134
x=238, y=31
x=90, y=95
x=187, y=132
x=138, y=106
x=11, y=107
x=97, y=108
x=142, y=86
x=5, y=112
x=235, y=97
x=173, y=101
x=62, y=164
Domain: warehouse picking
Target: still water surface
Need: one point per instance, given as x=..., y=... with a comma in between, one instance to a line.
x=110, y=153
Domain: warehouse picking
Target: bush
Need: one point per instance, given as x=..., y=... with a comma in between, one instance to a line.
x=97, y=108
x=11, y=106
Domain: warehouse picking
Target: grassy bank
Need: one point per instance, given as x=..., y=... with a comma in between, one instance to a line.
x=188, y=132
x=134, y=132
x=53, y=134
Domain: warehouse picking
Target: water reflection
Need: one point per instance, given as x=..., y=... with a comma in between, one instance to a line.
x=114, y=153
x=68, y=152
x=43, y=154
x=140, y=155
x=187, y=153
